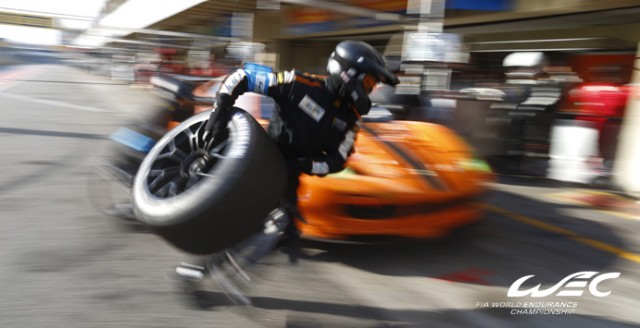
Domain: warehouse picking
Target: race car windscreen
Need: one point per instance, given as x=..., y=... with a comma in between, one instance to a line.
x=378, y=114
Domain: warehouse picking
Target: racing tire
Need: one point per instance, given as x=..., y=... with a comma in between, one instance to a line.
x=204, y=195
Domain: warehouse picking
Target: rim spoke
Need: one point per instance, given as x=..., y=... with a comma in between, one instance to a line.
x=173, y=188
x=216, y=155
x=215, y=152
x=212, y=142
x=193, y=179
x=170, y=188
x=177, y=157
x=181, y=183
x=202, y=142
x=173, y=153
x=169, y=171
x=178, y=152
x=193, y=140
x=154, y=183
x=161, y=176
x=163, y=192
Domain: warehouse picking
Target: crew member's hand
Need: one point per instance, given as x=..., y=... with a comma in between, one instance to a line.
x=217, y=125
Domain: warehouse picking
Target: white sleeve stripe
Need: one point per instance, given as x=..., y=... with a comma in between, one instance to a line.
x=232, y=81
x=289, y=76
x=320, y=168
x=273, y=79
x=347, y=144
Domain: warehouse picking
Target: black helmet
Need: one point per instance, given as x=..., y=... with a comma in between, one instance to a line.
x=351, y=65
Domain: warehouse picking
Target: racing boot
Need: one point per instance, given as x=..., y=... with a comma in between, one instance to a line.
x=189, y=280
x=233, y=268
x=224, y=269
x=227, y=271
x=289, y=243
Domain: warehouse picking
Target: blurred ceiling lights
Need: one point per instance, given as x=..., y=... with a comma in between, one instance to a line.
x=131, y=15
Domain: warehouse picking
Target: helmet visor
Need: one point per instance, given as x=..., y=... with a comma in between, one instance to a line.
x=368, y=82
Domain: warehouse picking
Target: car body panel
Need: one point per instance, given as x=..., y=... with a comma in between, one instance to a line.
x=407, y=179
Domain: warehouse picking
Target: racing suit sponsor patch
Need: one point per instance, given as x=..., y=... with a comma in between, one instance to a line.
x=261, y=81
x=311, y=108
x=260, y=86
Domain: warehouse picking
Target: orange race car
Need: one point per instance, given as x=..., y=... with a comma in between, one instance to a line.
x=406, y=179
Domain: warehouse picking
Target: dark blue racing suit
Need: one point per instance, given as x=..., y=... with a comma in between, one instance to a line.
x=313, y=128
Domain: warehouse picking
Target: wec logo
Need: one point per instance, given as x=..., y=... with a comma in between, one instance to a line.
x=572, y=285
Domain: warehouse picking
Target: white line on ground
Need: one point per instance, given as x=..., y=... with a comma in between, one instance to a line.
x=53, y=102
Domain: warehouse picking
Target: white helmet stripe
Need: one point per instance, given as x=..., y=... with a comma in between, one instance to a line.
x=320, y=168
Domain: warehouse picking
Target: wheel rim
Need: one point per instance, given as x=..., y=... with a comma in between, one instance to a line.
x=184, y=161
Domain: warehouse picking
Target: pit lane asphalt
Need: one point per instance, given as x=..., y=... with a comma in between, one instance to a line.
x=65, y=265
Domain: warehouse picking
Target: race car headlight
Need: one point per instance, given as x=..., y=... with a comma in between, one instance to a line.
x=347, y=173
x=474, y=164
